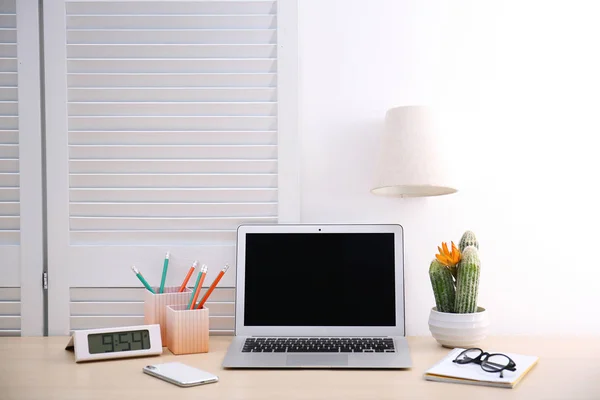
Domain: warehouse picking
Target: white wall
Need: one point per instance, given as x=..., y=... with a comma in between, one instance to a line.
x=520, y=81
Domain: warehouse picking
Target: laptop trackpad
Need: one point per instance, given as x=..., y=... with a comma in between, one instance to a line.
x=317, y=360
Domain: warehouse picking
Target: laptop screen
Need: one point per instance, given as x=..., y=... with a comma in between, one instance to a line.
x=320, y=279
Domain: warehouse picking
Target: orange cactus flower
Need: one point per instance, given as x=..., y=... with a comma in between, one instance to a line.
x=449, y=258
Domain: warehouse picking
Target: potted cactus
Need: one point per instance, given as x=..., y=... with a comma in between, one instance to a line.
x=456, y=320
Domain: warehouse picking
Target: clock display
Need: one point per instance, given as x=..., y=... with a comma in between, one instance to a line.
x=118, y=341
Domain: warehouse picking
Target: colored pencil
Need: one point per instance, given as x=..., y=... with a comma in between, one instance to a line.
x=164, y=274
x=188, y=276
x=212, y=287
x=141, y=278
x=197, y=286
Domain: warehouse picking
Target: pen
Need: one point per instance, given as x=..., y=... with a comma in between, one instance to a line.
x=164, y=275
x=198, y=286
x=212, y=287
x=141, y=278
x=188, y=276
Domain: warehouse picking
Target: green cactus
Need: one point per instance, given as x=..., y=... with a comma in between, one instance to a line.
x=467, y=281
x=443, y=286
x=468, y=239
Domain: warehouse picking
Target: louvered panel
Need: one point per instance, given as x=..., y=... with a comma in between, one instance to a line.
x=145, y=237
x=168, y=180
x=8, y=20
x=10, y=237
x=9, y=208
x=105, y=307
x=9, y=194
x=172, y=137
x=167, y=195
x=103, y=321
x=187, y=80
x=11, y=294
x=121, y=308
x=10, y=322
x=9, y=165
x=168, y=8
x=174, y=109
x=8, y=107
x=172, y=36
x=9, y=223
x=178, y=109
x=133, y=21
x=149, y=259
x=218, y=323
x=8, y=7
x=163, y=51
x=10, y=310
x=8, y=36
x=173, y=166
x=170, y=152
x=9, y=179
x=176, y=123
x=8, y=123
x=135, y=308
x=9, y=137
x=8, y=93
x=8, y=79
x=10, y=50
x=157, y=65
x=229, y=94
x=9, y=65
x=156, y=224
x=9, y=151
x=10, y=263
x=173, y=209
x=96, y=294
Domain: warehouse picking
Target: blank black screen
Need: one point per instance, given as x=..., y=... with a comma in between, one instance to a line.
x=320, y=279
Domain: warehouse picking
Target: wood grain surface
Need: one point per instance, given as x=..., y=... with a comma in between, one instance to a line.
x=40, y=368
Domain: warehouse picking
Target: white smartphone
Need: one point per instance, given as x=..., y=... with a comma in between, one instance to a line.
x=180, y=374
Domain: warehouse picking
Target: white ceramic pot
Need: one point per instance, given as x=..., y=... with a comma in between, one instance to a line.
x=459, y=330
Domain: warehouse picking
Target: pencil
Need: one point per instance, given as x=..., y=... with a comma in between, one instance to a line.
x=198, y=286
x=188, y=276
x=141, y=278
x=164, y=274
x=212, y=287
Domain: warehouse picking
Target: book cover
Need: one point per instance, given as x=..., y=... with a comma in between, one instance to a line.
x=473, y=374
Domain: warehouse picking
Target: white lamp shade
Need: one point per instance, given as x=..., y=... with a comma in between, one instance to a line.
x=412, y=162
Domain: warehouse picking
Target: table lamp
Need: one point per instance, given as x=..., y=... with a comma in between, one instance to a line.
x=412, y=162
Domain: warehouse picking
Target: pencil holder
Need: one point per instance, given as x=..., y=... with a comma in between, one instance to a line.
x=155, y=306
x=187, y=330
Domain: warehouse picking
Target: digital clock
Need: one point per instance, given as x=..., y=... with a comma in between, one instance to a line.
x=121, y=342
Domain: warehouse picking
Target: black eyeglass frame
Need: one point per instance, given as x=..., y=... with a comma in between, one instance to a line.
x=481, y=361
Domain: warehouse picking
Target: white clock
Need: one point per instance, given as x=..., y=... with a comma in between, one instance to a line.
x=121, y=342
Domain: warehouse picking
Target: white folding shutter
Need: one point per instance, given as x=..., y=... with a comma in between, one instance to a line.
x=10, y=309
x=164, y=129
x=21, y=296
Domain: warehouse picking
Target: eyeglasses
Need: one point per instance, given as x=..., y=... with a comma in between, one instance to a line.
x=495, y=362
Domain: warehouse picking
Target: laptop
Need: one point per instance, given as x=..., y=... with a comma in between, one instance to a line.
x=319, y=296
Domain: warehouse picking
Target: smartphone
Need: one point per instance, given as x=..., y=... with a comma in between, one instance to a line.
x=180, y=374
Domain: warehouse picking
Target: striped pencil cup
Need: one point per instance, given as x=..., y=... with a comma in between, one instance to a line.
x=187, y=330
x=155, y=306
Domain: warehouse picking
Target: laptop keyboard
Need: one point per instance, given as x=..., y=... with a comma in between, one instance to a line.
x=319, y=345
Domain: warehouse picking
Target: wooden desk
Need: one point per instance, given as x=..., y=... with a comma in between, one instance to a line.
x=40, y=368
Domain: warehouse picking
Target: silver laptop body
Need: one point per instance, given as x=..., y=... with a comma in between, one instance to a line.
x=319, y=296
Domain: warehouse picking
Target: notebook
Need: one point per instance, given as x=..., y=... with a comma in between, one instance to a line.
x=472, y=374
